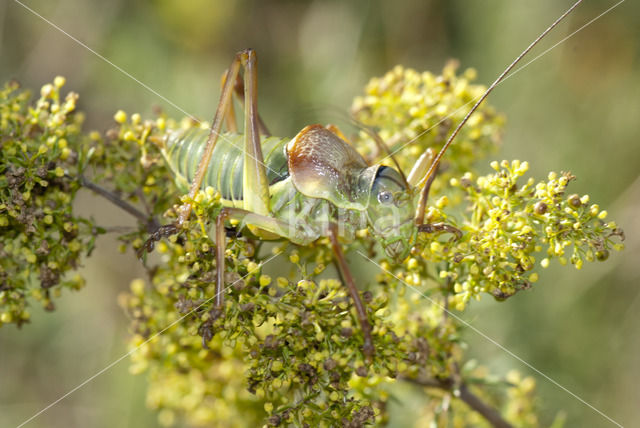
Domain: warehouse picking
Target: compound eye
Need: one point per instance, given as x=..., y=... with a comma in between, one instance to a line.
x=385, y=198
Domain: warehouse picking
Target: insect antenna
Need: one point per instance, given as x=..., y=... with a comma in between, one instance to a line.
x=436, y=161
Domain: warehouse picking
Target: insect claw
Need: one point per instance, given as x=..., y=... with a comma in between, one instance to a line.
x=160, y=233
x=147, y=247
x=368, y=349
x=231, y=232
x=216, y=312
x=440, y=228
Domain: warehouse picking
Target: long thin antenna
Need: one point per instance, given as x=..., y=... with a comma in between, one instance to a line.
x=436, y=161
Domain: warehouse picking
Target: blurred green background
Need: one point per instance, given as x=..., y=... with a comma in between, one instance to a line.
x=577, y=108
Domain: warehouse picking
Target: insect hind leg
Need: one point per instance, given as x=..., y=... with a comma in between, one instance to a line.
x=230, y=117
x=254, y=172
x=216, y=127
x=255, y=176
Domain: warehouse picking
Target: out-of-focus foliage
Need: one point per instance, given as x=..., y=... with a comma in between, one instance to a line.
x=287, y=350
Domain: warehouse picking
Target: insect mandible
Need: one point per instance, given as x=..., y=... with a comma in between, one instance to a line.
x=301, y=189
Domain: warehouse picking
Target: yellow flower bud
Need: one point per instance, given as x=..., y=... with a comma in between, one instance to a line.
x=264, y=280
x=442, y=202
x=252, y=267
x=137, y=286
x=120, y=116
x=59, y=81
x=129, y=136
x=412, y=263
x=46, y=90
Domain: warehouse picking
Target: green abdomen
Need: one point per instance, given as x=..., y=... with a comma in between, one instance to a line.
x=183, y=151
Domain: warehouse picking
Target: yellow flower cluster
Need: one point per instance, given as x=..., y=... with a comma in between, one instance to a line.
x=286, y=348
x=510, y=224
x=413, y=111
x=41, y=238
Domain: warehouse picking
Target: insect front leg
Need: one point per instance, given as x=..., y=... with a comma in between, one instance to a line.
x=365, y=326
x=247, y=218
x=421, y=166
x=221, y=246
x=418, y=178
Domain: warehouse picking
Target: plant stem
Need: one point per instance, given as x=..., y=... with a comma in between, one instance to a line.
x=489, y=413
x=150, y=222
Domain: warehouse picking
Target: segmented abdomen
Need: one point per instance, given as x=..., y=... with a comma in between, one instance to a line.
x=183, y=151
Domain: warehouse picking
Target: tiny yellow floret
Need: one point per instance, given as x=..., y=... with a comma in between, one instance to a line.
x=137, y=286
x=265, y=280
x=120, y=116
x=59, y=81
